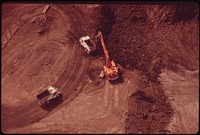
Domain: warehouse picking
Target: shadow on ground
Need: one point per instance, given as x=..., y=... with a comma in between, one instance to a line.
x=53, y=104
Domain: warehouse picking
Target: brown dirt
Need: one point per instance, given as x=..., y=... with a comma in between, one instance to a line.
x=48, y=60
x=149, y=112
x=151, y=38
x=146, y=38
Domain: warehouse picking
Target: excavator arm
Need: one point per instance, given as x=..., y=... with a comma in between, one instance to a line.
x=108, y=62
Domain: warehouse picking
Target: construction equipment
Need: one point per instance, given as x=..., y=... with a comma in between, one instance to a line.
x=102, y=74
x=45, y=9
x=48, y=95
x=110, y=69
x=87, y=44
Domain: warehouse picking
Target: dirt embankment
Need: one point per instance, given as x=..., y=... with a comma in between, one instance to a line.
x=143, y=33
x=149, y=38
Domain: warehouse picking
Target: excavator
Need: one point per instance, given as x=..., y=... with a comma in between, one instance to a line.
x=110, y=69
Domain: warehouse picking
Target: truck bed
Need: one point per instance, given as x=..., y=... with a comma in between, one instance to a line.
x=43, y=94
x=89, y=42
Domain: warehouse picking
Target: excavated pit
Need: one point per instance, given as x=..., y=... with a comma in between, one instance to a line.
x=145, y=38
x=141, y=37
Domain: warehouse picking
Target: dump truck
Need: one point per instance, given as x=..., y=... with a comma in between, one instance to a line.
x=50, y=94
x=88, y=45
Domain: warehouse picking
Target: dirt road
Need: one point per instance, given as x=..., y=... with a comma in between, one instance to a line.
x=93, y=111
x=65, y=65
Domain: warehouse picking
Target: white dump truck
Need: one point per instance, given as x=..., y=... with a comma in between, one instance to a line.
x=88, y=44
x=48, y=95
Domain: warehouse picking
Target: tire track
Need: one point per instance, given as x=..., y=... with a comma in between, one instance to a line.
x=32, y=112
x=66, y=74
x=67, y=83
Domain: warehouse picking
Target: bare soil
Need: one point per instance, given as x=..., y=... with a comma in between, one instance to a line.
x=156, y=46
x=142, y=40
x=40, y=60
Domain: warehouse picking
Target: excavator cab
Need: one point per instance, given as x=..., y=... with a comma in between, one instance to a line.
x=111, y=73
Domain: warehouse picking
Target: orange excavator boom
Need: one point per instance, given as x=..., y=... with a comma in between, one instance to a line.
x=108, y=62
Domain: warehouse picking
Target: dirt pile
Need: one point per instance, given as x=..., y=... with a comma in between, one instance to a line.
x=136, y=39
x=149, y=112
x=172, y=13
x=149, y=38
